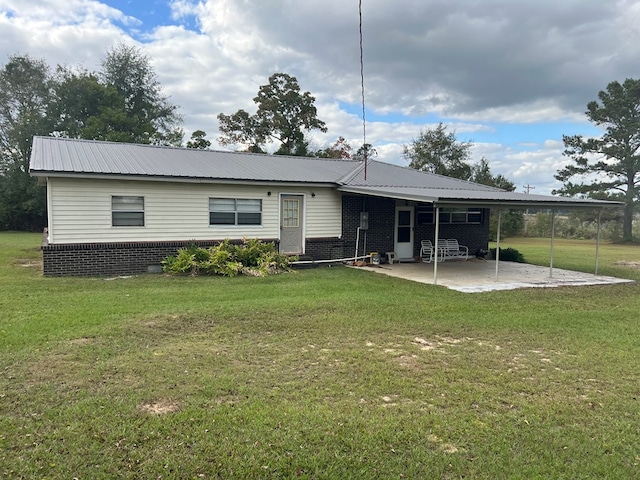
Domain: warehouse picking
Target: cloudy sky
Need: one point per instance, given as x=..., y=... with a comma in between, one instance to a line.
x=510, y=76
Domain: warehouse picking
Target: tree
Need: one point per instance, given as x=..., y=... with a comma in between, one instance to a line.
x=365, y=151
x=83, y=107
x=339, y=149
x=25, y=92
x=283, y=115
x=149, y=117
x=438, y=151
x=481, y=173
x=199, y=141
x=610, y=164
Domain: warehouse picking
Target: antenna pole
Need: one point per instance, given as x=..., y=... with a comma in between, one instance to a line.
x=364, y=122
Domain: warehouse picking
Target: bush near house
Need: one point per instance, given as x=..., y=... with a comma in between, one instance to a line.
x=508, y=254
x=252, y=257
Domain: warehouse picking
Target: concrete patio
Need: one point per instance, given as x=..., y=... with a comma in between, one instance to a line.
x=478, y=275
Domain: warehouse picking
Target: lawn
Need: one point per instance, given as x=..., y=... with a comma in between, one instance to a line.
x=322, y=373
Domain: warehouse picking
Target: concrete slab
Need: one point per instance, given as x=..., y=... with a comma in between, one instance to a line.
x=478, y=275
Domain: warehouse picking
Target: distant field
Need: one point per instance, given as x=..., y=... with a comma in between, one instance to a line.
x=322, y=373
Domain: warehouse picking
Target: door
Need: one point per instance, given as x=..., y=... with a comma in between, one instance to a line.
x=403, y=238
x=291, y=208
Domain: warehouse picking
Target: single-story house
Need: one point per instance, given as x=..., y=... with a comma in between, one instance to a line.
x=116, y=208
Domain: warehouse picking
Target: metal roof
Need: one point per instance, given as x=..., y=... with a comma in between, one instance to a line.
x=479, y=198
x=383, y=174
x=53, y=156
x=56, y=156
x=386, y=180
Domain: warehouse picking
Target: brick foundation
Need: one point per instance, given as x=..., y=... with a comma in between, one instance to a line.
x=131, y=258
x=122, y=258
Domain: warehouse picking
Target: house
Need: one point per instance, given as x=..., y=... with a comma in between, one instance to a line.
x=116, y=208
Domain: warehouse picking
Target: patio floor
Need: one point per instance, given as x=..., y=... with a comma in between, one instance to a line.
x=478, y=275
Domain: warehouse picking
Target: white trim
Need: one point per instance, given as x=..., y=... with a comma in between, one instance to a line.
x=207, y=180
x=49, y=212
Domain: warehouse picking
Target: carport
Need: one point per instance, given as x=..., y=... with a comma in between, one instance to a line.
x=482, y=197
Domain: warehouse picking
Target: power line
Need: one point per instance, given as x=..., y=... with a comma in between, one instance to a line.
x=528, y=187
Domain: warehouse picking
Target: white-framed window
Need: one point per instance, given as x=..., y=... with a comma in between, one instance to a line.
x=235, y=211
x=425, y=215
x=127, y=211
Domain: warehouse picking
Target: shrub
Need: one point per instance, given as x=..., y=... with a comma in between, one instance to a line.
x=508, y=255
x=252, y=257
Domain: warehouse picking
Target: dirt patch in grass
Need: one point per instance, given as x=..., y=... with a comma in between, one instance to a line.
x=159, y=407
x=622, y=263
x=81, y=341
x=29, y=263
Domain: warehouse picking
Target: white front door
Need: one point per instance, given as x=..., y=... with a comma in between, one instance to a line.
x=403, y=238
x=291, y=208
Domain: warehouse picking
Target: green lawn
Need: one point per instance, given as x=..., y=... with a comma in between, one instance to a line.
x=322, y=373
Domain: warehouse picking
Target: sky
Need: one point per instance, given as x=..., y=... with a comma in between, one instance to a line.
x=512, y=77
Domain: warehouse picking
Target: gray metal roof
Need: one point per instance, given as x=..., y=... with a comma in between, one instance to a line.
x=383, y=174
x=52, y=155
x=386, y=180
x=70, y=157
x=495, y=198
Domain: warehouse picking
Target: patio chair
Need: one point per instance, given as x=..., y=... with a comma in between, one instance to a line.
x=451, y=249
x=426, y=251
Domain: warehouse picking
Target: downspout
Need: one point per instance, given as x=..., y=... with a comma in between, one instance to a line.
x=553, y=235
x=436, y=247
x=498, y=243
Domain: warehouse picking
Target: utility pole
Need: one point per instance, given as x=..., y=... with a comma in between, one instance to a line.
x=527, y=189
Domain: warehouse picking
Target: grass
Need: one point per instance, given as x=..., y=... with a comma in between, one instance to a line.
x=324, y=373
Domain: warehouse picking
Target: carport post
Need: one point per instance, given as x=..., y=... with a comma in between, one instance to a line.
x=435, y=247
x=498, y=242
x=598, y=242
x=553, y=234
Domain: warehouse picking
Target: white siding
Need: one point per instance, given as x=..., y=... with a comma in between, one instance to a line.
x=80, y=211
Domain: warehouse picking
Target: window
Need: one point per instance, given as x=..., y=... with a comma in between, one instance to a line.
x=425, y=214
x=290, y=213
x=127, y=211
x=235, y=211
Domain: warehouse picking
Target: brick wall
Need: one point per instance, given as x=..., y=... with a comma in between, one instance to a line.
x=474, y=236
x=380, y=236
x=324, y=248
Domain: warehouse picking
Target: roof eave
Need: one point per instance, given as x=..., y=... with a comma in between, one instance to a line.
x=443, y=201
x=373, y=193
x=173, y=179
x=517, y=204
